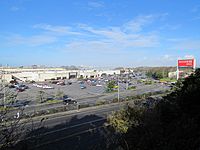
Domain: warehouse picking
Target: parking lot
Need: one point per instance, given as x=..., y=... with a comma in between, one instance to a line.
x=86, y=89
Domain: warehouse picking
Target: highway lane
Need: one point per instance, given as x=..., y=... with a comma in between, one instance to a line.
x=65, y=117
x=69, y=126
x=65, y=129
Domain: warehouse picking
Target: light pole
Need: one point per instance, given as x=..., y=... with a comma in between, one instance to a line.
x=127, y=82
x=118, y=88
x=78, y=106
x=4, y=90
x=4, y=97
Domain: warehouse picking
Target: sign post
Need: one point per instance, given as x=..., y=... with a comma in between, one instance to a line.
x=185, y=63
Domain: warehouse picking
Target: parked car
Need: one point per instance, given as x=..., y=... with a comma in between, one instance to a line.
x=93, y=83
x=64, y=97
x=23, y=86
x=69, y=83
x=18, y=104
x=50, y=98
x=19, y=89
x=54, y=81
x=82, y=86
x=61, y=83
x=47, y=87
x=81, y=82
x=12, y=86
x=69, y=101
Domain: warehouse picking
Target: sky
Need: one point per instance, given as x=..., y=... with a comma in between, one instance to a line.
x=99, y=33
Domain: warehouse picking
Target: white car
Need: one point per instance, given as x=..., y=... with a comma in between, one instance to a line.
x=47, y=87
x=34, y=84
x=39, y=86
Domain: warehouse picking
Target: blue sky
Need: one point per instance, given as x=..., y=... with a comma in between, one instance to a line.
x=99, y=33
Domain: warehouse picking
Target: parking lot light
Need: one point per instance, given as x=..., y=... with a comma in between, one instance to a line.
x=127, y=82
x=78, y=106
x=118, y=88
x=4, y=90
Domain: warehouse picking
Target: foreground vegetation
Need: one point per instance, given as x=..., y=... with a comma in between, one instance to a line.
x=159, y=72
x=172, y=124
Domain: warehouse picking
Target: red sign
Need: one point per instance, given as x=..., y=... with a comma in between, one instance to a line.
x=186, y=63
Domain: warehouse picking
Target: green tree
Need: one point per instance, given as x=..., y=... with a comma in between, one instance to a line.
x=110, y=85
x=12, y=127
x=172, y=124
x=125, y=118
x=41, y=96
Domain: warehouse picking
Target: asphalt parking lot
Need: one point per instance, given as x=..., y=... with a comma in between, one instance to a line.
x=74, y=90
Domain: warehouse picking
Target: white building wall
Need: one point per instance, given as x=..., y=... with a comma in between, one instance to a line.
x=27, y=76
x=40, y=76
x=5, y=78
x=172, y=74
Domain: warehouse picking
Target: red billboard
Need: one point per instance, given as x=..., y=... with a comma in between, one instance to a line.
x=186, y=63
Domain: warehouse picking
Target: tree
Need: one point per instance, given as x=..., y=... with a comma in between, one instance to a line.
x=12, y=128
x=125, y=118
x=41, y=96
x=110, y=86
x=173, y=123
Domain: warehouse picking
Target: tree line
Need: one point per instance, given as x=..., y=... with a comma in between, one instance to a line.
x=173, y=123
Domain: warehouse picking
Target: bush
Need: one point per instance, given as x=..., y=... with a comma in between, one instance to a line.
x=83, y=106
x=173, y=124
x=100, y=103
x=132, y=88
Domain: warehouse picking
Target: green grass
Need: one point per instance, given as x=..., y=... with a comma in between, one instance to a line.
x=111, y=90
x=4, y=109
x=149, y=82
x=132, y=88
x=167, y=80
x=100, y=103
x=53, y=101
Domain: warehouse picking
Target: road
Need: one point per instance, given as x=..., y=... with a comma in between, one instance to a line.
x=75, y=130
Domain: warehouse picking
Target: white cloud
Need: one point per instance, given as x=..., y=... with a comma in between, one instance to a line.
x=170, y=27
x=112, y=45
x=91, y=46
x=120, y=35
x=138, y=23
x=176, y=39
x=36, y=40
x=95, y=4
x=188, y=56
x=60, y=30
x=168, y=57
x=128, y=36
